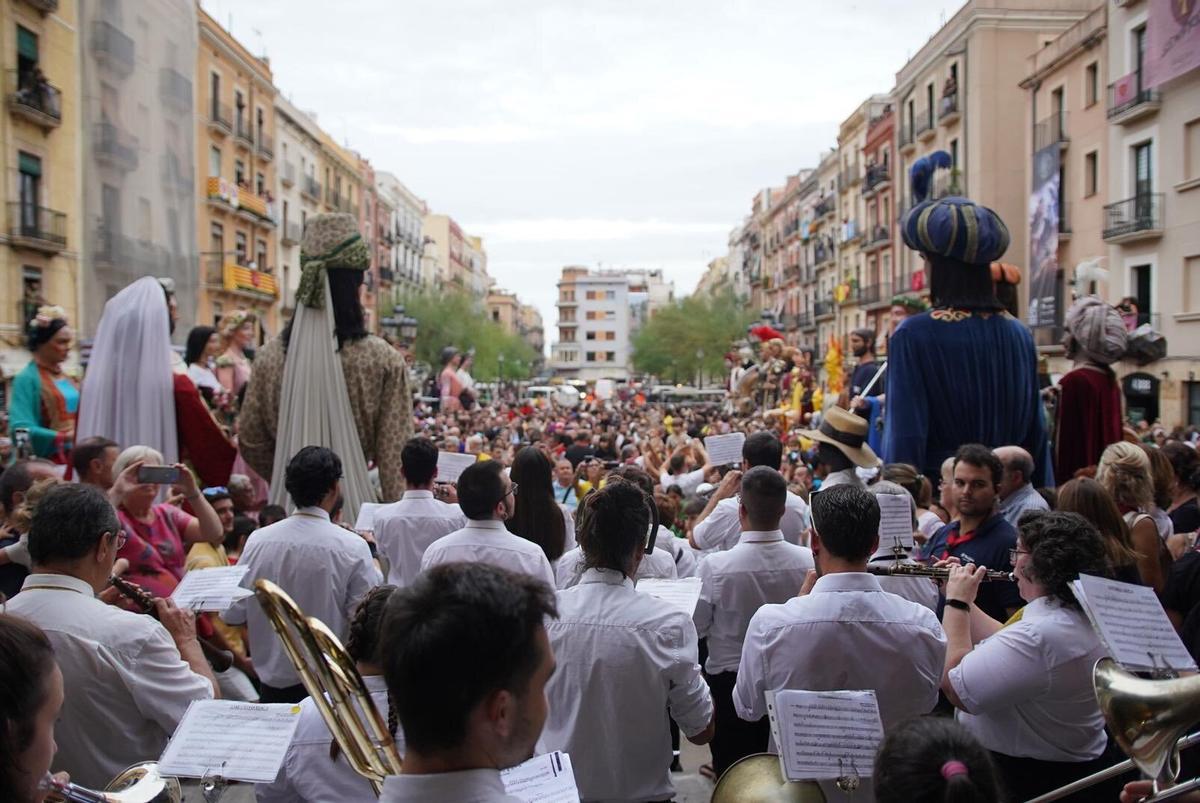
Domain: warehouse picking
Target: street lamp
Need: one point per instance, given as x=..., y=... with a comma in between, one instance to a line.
x=499, y=371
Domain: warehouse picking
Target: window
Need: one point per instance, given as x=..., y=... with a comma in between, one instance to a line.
x=239, y=103
x=258, y=124
x=610, y=315
x=590, y=356
x=285, y=213
x=214, y=161
x=1139, y=51
x=589, y=336
x=260, y=184
x=1191, y=282
x=260, y=256
x=1143, y=183
x=953, y=153
x=567, y=335
x=1191, y=150
x=610, y=295
x=1141, y=282
x=610, y=356
x=929, y=106
x=1091, y=89
x=1193, y=403
x=1091, y=174
x=239, y=172
x=27, y=55
x=31, y=283
x=29, y=190
x=216, y=240
x=239, y=248
x=215, y=93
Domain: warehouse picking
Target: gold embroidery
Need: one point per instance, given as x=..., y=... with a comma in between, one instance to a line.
x=950, y=315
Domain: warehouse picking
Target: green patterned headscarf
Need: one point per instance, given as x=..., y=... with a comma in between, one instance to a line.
x=331, y=242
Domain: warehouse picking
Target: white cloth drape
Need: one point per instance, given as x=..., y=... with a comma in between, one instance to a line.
x=128, y=390
x=314, y=407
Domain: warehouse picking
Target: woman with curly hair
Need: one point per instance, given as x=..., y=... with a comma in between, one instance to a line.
x=1124, y=472
x=1025, y=690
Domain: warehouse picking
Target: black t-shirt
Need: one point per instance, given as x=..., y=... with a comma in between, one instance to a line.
x=1186, y=517
x=988, y=547
x=862, y=376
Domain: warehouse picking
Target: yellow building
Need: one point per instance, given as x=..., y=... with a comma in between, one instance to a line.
x=504, y=309
x=236, y=228
x=41, y=236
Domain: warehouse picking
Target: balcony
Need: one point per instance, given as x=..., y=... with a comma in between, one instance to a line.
x=290, y=233
x=824, y=309
x=1052, y=130
x=850, y=176
x=386, y=276
x=879, y=237
x=44, y=6
x=852, y=291
x=1129, y=100
x=872, y=295
x=826, y=206
x=36, y=228
x=115, y=147
x=241, y=280
x=175, y=179
x=39, y=102
x=823, y=254
x=266, y=147
x=850, y=232
x=907, y=143
x=219, y=119
x=116, y=252
x=1137, y=218
x=878, y=177
x=243, y=131
x=175, y=88
x=311, y=188
x=807, y=321
x=112, y=48
x=1064, y=220
x=287, y=174
x=948, y=112
x=923, y=126
x=228, y=196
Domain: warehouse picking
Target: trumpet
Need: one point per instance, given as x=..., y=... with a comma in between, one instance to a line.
x=141, y=783
x=939, y=573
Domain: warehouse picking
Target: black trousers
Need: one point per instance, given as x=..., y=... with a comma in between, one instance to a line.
x=288, y=694
x=734, y=737
x=1027, y=778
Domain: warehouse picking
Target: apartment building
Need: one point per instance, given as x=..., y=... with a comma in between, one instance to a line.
x=1151, y=221
x=824, y=233
x=402, y=233
x=879, y=220
x=42, y=232
x=594, y=325
x=531, y=329
x=474, y=263
x=504, y=310
x=298, y=193
x=445, y=238
x=235, y=147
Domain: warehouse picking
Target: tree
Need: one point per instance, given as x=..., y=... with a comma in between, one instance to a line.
x=454, y=318
x=691, y=335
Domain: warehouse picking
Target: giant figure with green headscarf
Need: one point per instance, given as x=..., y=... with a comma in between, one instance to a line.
x=325, y=381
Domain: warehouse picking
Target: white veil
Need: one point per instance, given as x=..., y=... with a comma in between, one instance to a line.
x=314, y=407
x=128, y=390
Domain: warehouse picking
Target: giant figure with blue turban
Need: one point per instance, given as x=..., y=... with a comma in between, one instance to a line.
x=966, y=370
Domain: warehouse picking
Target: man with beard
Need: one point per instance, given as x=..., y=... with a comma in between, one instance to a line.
x=862, y=346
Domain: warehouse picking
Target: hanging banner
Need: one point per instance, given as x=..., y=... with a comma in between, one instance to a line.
x=1043, y=238
x=1172, y=40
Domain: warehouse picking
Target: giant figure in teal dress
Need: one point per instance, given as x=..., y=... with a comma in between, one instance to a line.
x=44, y=399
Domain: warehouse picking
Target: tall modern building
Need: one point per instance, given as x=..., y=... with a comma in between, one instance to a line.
x=594, y=325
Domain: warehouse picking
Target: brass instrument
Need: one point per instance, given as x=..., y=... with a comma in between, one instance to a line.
x=141, y=783
x=939, y=573
x=333, y=683
x=759, y=779
x=1147, y=718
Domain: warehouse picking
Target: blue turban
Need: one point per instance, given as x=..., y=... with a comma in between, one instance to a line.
x=956, y=229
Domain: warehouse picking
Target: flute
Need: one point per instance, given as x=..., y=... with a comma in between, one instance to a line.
x=219, y=659
x=941, y=573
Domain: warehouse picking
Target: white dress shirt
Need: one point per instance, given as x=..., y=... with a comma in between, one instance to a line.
x=847, y=634
x=126, y=685
x=569, y=541
x=761, y=569
x=847, y=476
x=405, y=529
x=681, y=551
x=308, y=775
x=623, y=661
x=465, y=786
x=490, y=542
x=921, y=590
x=720, y=530
x=324, y=568
x=688, y=483
x=1028, y=687
x=657, y=564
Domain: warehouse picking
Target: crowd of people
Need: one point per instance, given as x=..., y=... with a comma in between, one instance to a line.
x=499, y=615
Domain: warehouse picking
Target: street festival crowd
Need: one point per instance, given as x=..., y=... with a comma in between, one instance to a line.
x=497, y=616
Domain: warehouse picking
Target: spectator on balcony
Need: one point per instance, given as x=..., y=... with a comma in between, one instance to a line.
x=44, y=399
x=325, y=371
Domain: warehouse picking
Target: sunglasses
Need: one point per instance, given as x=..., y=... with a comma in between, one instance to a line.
x=216, y=490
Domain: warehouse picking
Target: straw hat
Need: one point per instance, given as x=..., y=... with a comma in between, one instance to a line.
x=846, y=432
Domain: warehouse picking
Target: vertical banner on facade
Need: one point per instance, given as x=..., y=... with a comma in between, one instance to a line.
x=1172, y=40
x=1043, y=237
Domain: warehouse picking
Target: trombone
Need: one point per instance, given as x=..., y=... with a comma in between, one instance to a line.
x=333, y=683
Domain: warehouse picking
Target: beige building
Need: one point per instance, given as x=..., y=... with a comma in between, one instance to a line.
x=960, y=93
x=504, y=310
x=534, y=333
x=299, y=191
x=40, y=136
x=1151, y=221
x=824, y=233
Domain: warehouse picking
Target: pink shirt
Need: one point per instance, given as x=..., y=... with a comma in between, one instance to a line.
x=155, y=551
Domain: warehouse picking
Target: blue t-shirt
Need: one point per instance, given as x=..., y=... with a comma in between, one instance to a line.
x=988, y=547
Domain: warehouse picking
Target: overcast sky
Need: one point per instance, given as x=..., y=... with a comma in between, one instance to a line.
x=568, y=132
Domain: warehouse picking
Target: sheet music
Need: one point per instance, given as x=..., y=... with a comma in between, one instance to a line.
x=547, y=778
x=682, y=594
x=825, y=734
x=210, y=589
x=452, y=464
x=1132, y=624
x=366, y=516
x=724, y=450
x=238, y=741
x=895, y=521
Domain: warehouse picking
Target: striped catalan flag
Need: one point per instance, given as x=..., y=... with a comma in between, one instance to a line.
x=239, y=277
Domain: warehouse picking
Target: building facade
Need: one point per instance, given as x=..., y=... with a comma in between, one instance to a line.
x=824, y=233
x=235, y=149
x=402, y=233
x=298, y=193
x=504, y=310
x=532, y=330
x=594, y=325
x=877, y=244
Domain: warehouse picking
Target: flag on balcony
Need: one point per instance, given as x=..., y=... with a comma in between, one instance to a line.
x=834, y=376
x=1172, y=41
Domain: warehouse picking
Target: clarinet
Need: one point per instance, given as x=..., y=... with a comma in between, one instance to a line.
x=220, y=660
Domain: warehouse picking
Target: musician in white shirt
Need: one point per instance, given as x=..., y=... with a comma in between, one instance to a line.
x=310, y=774
x=466, y=659
x=405, y=529
x=844, y=631
x=623, y=660
x=921, y=590
x=326, y=569
x=1025, y=690
x=486, y=494
x=762, y=568
x=719, y=526
x=128, y=679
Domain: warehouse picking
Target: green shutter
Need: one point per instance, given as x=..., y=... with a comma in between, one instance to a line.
x=27, y=44
x=30, y=164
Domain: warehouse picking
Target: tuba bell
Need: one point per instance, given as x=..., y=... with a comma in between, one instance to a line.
x=759, y=779
x=141, y=783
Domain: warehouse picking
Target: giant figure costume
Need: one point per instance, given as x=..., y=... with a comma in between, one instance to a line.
x=965, y=371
